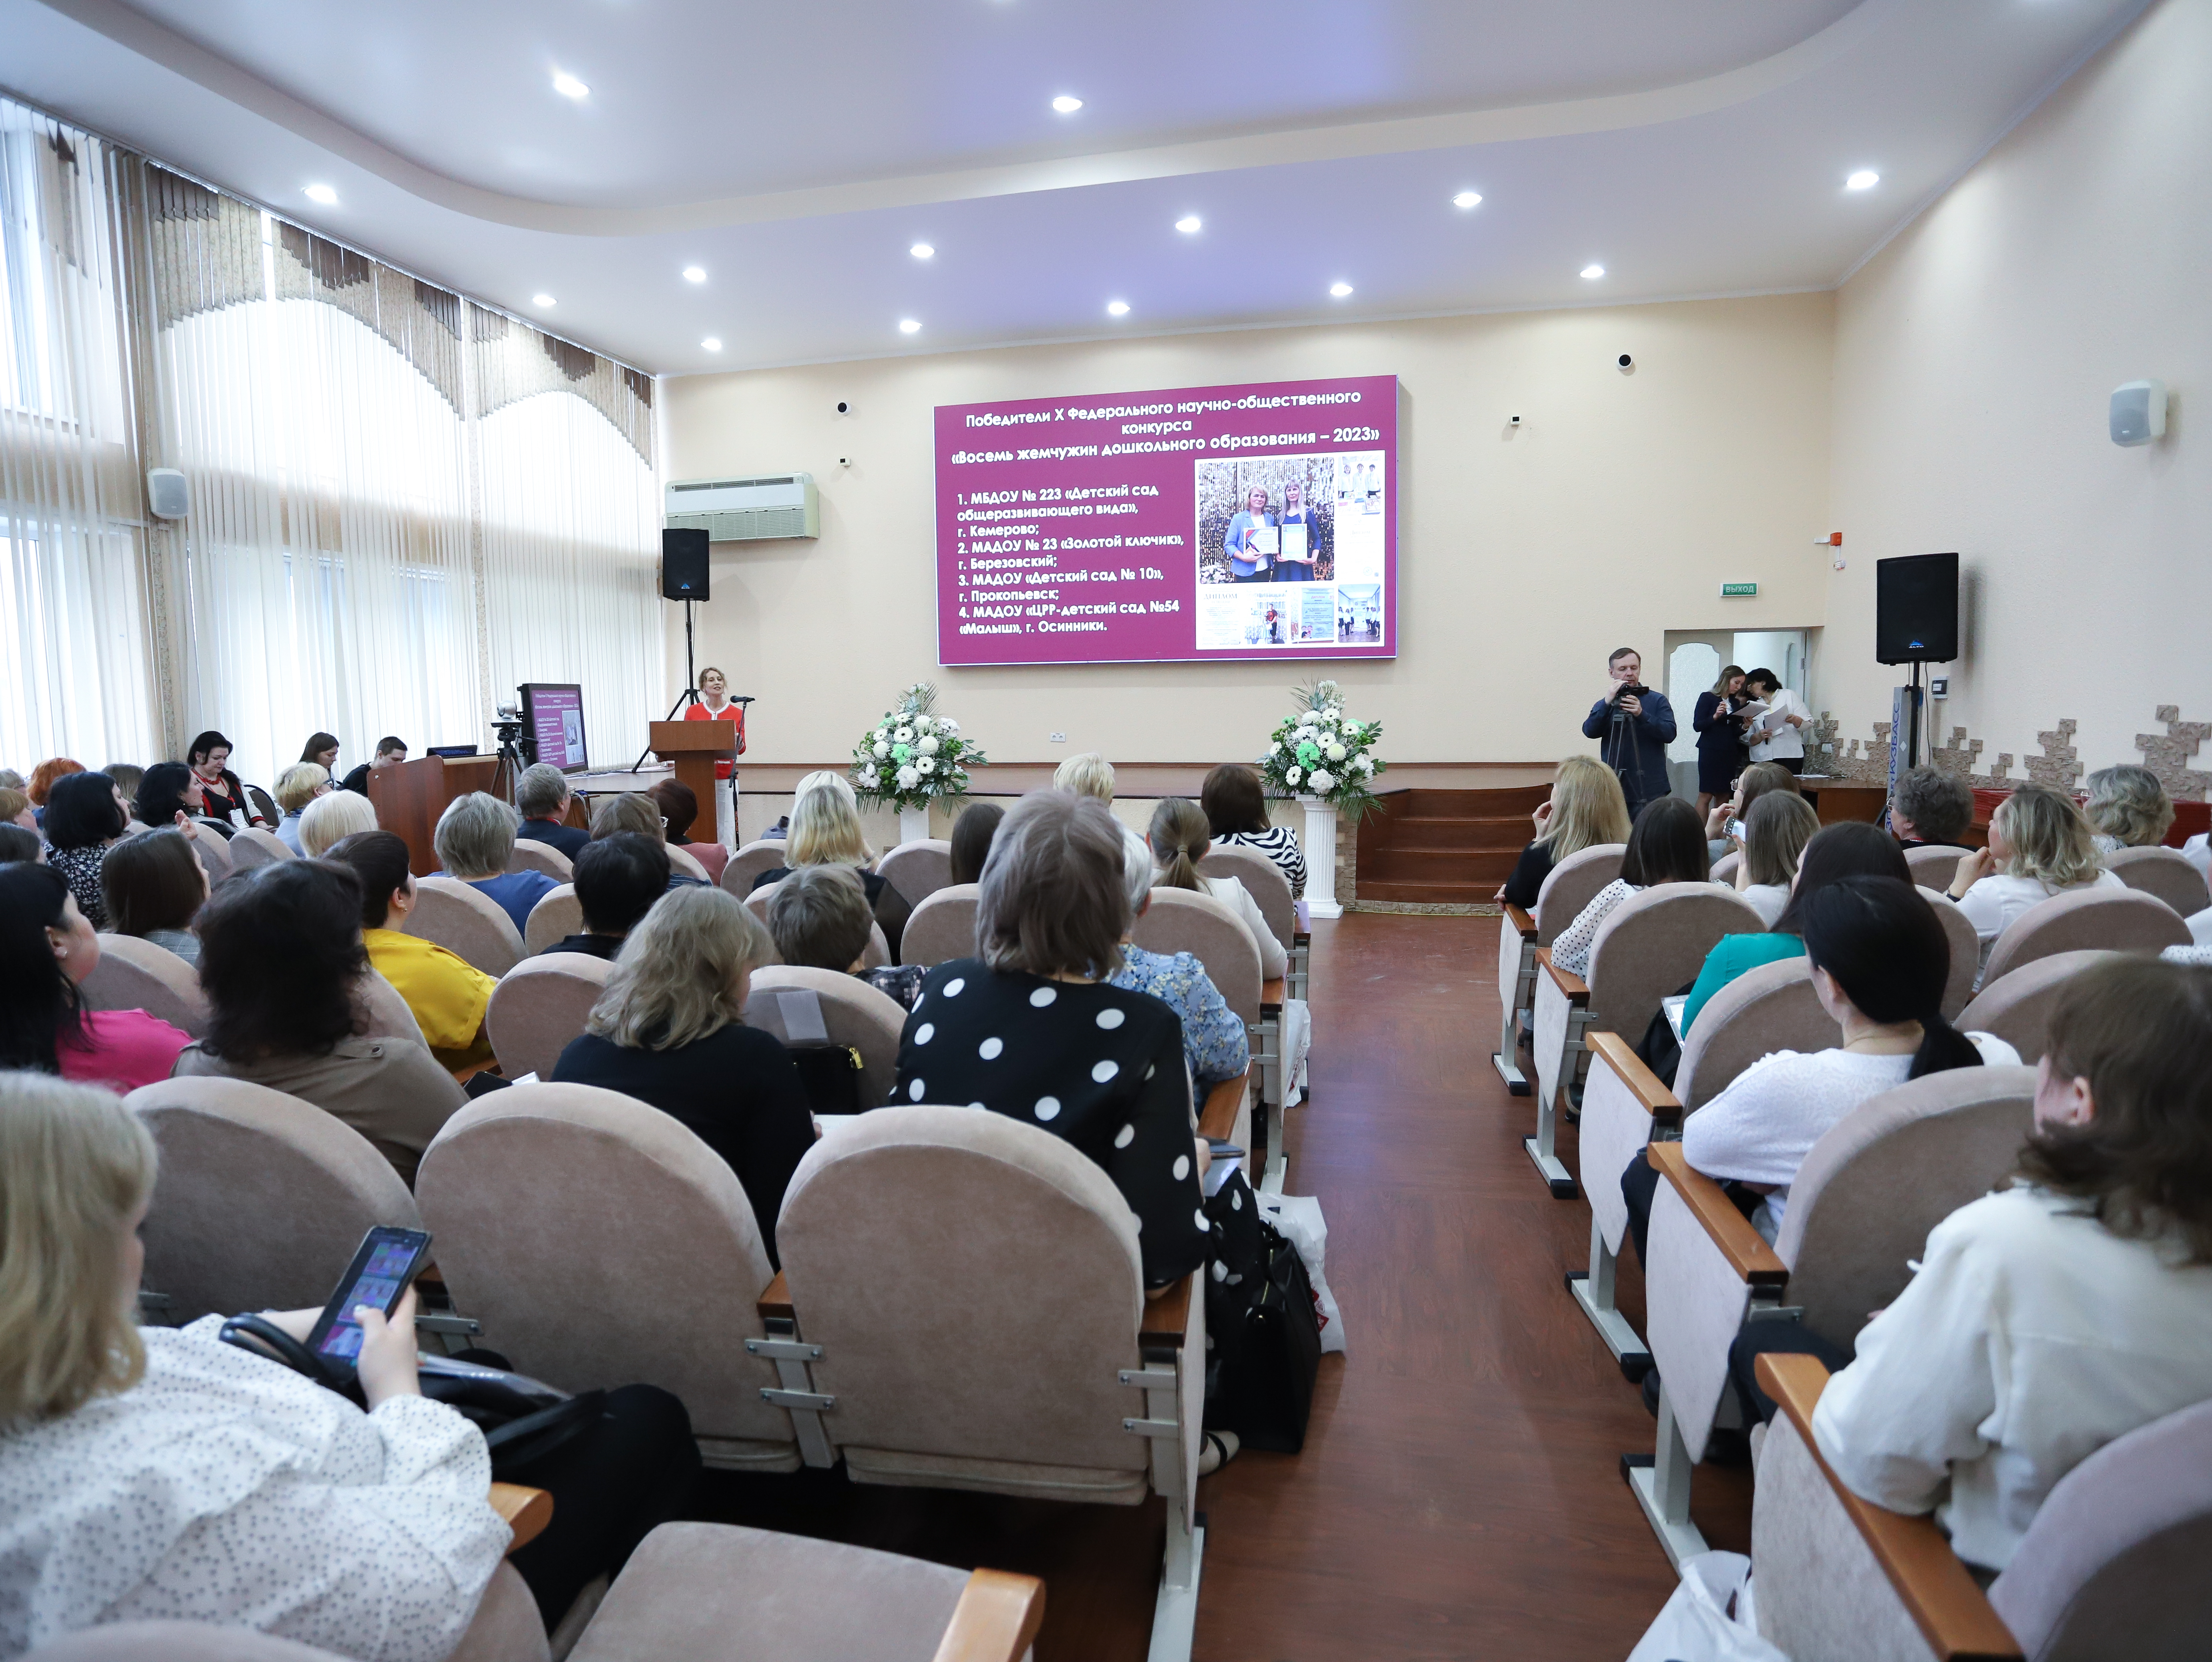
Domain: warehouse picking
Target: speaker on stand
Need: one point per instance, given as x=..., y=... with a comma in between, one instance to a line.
x=683, y=577
x=1915, y=621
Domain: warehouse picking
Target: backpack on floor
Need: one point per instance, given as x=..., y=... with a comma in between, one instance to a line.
x=1263, y=1342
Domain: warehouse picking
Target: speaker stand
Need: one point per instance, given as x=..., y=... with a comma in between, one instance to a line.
x=689, y=696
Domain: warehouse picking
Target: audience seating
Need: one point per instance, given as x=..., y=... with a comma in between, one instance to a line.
x=2115, y=919
x=917, y=869
x=1935, y=866
x=531, y=855
x=876, y=955
x=253, y=846
x=1726, y=867
x=803, y=1007
x=683, y=860
x=929, y=1339
x=1860, y=1210
x=2112, y=1565
x=467, y=922
x=1966, y=950
x=264, y=805
x=2165, y=872
x=381, y=1013
x=214, y=852
x=1649, y=944
x=2018, y=1008
x=1625, y=1107
x=1568, y=888
x=558, y=915
x=750, y=861
x=942, y=928
x=600, y=1242
x=262, y=1200
x=136, y=974
x=1270, y=890
x=541, y=1004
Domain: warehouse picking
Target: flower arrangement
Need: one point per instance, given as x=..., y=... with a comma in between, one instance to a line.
x=913, y=756
x=1321, y=752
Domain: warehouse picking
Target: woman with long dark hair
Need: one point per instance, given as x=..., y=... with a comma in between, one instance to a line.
x=1665, y=845
x=47, y=950
x=1235, y=808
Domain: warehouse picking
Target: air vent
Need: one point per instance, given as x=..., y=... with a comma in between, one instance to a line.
x=745, y=510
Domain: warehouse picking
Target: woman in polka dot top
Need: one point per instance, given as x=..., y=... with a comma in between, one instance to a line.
x=1029, y=1030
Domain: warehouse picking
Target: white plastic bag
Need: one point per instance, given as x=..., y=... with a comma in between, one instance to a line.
x=1298, y=1218
x=1296, y=1041
x=1695, y=1626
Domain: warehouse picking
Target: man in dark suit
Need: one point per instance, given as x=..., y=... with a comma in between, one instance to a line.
x=1633, y=730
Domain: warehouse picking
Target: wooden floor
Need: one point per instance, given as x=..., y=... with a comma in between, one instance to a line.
x=1459, y=1495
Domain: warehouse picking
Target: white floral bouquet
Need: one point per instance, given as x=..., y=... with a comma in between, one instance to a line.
x=913, y=756
x=1321, y=752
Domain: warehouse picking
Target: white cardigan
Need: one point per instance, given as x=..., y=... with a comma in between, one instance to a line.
x=227, y=1490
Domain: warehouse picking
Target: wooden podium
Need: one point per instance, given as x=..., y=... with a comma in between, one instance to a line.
x=409, y=798
x=693, y=748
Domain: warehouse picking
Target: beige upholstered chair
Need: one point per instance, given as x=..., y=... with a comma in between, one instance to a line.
x=600, y=1242
x=1933, y=866
x=2165, y=872
x=970, y=1313
x=466, y=922
x=2018, y=1008
x=541, y=1004
x=803, y=1006
x=380, y=1013
x=685, y=861
x=1625, y=1107
x=253, y=846
x=876, y=955
x=136, y=974
x=531, y=855
x=2113, y=919
x=1648, y=945
x=1859, y=1211
x=1966, y=951
x=1568, y=888
x=942, y=927
x=917, y=869
x=2112, y=1565
x=214, y=850
x=558, y=915
x=1270, y=890
x=1726, y=867
x=749, y=862
x=262, y=1198
x=1179, y=920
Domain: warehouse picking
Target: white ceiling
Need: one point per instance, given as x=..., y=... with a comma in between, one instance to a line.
x=795, y=152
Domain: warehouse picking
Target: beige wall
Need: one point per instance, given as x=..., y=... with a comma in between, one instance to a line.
x=1613, y=514
x=1973, y=359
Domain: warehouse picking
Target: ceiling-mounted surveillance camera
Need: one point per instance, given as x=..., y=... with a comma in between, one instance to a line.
x=844, y=407
x=844, y=461
x=1628, y=362
x=1513, y=420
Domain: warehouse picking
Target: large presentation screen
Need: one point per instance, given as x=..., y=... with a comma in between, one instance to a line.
x=1211, y=522
x=553, y=716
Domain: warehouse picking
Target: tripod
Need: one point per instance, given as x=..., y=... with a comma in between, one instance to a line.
x=1618, y=751
x=689, y=696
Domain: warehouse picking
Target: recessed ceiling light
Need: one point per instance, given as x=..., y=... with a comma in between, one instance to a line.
x=1593, y=272
x=695, y=274
x=713, y=343
x=1467, y=199
x=1340, y=289
x=1190, y=224
x=1117, y=308
x=541, y=299
x=322, y=193
x=568, y=87
x=909, y=325
x=922, y=251
x=1865, y=179
x=1066, y=105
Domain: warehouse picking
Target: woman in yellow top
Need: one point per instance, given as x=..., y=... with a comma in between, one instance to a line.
x=448, y=994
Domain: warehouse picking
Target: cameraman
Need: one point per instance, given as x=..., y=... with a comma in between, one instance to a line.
x=1633, y=726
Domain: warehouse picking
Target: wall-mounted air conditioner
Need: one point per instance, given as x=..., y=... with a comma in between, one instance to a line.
x=746, y=510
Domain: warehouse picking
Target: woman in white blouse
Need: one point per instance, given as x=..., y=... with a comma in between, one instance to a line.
x=1179, y=837
x=2050, y=1318
x=2039, y=846
x=1778, y=735
x=1666, y=845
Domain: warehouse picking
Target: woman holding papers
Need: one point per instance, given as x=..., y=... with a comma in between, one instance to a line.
x=1775, y=732
x=1297, y=532
x=1251, y=542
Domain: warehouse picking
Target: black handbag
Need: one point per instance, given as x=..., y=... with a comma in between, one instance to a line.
x=522, y=1419
x=1262, y=1334
x=831, y=1075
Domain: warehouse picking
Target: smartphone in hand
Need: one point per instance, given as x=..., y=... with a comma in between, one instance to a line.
x=382, y=1270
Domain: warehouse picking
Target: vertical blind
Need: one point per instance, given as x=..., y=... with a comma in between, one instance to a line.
x=404, y=503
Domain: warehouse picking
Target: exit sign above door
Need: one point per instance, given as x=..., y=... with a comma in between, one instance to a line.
x=1738, y=590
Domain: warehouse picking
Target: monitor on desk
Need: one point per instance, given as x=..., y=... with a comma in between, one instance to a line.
x=553, y=720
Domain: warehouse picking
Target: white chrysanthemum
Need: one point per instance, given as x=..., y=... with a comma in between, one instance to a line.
x=1292, y=775
x=946, y=724
x=882, y=750
x=904, y=735
x=1367, y=764
x=906, y=779
x=926, y=765
x=926, y=744
x=1323, y=779
x=1334, y=752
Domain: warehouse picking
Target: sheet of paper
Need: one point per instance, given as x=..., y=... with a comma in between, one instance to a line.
x=1294, y=542
x=1674, y=1006
x=1263, y=539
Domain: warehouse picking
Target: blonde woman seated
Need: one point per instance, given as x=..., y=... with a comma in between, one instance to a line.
x=474, y=838
x=328, y=820
x=670, y=1031
x=297, y=786
x=1180, y=837
x=825, y=830
x=1586, y=810
x=447, y=995
x=2128, y=808
x=2039, y=846
x=1089, y=775
x=1664, y=846
x=1775, y=833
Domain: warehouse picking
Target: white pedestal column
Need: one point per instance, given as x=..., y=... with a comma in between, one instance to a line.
x=913, y=824
x=1320, y=859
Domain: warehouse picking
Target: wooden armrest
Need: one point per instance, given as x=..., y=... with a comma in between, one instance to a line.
x=1167, y=1317
x=1643, y=1084
x=774, y=1302
x=996, y=1620
x=1576, y=988
x=527, y=1511
x=1748, y=1255
x=1954, y=1615
x=1271, y=995
x=1218, y=1118
x=1302, y=937
x=1520, y=922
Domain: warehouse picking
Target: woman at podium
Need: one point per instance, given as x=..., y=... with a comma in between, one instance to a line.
x=715, y=705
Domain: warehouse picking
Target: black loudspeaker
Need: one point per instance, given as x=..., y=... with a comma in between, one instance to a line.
x=683, y=564
x=1916, y=609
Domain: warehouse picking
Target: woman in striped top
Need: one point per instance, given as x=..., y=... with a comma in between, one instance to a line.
x=1237, y=810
